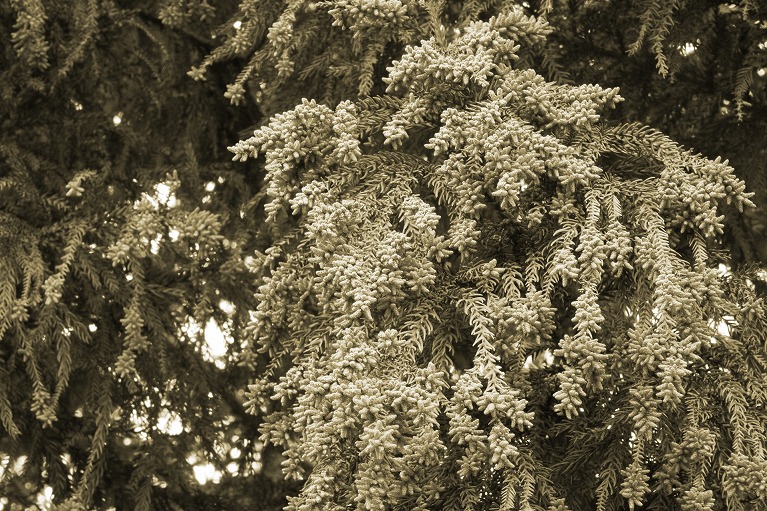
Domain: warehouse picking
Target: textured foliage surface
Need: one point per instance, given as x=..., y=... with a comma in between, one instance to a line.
x=478, y=208
x=449, y=271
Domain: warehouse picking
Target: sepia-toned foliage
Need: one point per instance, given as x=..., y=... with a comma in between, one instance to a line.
x=120, y=236
x=449, y=271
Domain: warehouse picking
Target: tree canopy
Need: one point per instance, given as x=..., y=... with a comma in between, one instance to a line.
x=469, y=255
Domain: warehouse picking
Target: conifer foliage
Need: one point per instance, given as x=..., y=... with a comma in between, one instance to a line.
x=119, y=222
x=478, y=208
x=457, y=286
x=709, y=91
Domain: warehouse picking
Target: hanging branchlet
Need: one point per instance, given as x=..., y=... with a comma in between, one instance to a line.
x=103, y=409
x=29, y=33
x=635, y=478
x=135, y=338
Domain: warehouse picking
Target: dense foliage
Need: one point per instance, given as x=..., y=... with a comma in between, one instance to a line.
x=448, y=275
